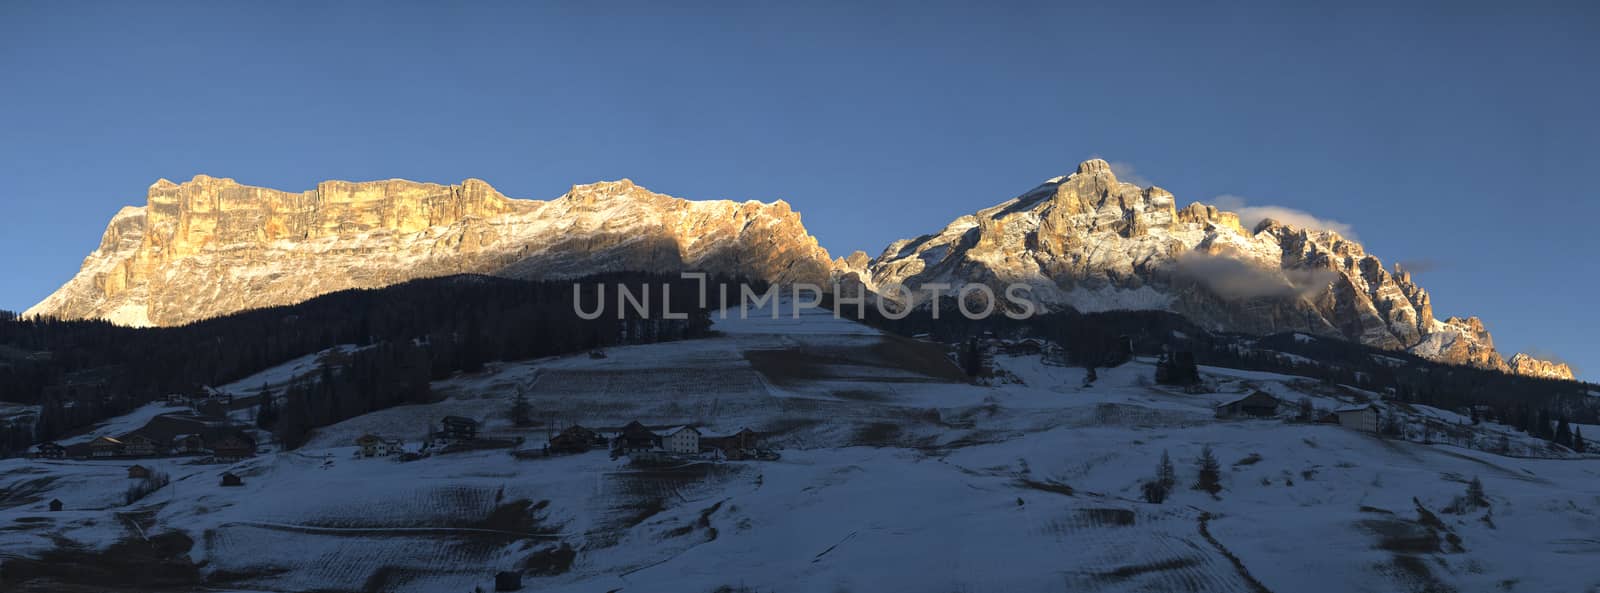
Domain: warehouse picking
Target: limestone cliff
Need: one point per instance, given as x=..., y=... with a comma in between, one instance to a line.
x=212, y=246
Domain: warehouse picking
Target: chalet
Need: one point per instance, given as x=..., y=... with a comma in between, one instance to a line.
x=188, y=444
x=231, y=479
x=739, y=445
x=575, y=439
x=105, y=447
x=138, y=445
x=683, y=440
x=55, y=505
x=1259, y=404
x=457, y=428
x=1362, y=417
x=375, y=446
x=51, y=451
x=635, y=437
x=138, y=472
x=233, y=448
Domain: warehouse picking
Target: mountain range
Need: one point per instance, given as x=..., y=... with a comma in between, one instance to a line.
x=1085, y=241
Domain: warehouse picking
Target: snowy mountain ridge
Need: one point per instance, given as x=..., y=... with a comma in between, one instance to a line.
x=1093, y=243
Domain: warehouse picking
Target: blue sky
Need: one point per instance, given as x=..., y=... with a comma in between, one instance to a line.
x=1457, y=135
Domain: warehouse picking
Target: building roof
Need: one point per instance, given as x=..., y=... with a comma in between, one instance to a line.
x=677, y=429
x=1245, y=397
x=106, y=441
x=1354, y=408
x=458, y=420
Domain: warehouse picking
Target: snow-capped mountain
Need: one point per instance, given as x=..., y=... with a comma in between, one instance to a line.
x=212, y=246
x=1093, y=243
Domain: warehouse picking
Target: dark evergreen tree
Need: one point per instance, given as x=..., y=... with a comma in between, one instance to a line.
x=1209, y=478
x=266, y=409
x=972, y=358
x=1476, y=498
x=1563, y=435
x=521, y=413
x=1542, y=427
x=1166, y=474
x=1577, y=439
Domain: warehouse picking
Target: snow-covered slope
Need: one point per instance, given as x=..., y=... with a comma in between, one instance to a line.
x=893, y=477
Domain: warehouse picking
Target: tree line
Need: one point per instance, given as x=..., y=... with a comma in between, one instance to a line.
x=81, y=372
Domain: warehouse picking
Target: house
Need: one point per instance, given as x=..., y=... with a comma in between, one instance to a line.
x=1259, y=404
x=575, y=439
x=231, y=479
x=457, y=428
x=138, y=445
x=635, y=437
x=105, y=447
x=188, y=444
x=682, y=440
x=739, y=445
x=51, y=450
x=55, y=505
x=1362, y=417
x=138, y=472
x=233, y=448
x=375, y=446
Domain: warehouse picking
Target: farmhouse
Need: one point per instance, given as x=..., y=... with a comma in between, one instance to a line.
x=188, y=444
x=375, y=446
x=1363, y=417
x=575, y=439
x=635, y=437
x=233, y=448
x=51, y=451
x=683, y=440
x=740, y=445
x=138, y=445
x=105, y=447
x=1258, y=404
x=457, y=428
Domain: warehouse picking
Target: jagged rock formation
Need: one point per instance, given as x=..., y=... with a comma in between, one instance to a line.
x=1523, y=364
x=212, y=246
x=1093, y=243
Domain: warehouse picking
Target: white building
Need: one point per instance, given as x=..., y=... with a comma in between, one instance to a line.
x=1363, y=417
x=682, y=440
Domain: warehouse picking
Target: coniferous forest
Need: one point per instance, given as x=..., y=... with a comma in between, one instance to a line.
x=81, y=372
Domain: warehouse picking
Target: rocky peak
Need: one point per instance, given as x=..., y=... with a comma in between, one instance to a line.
x=1090, y=242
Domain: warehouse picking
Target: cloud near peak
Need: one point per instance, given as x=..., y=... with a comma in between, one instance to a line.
x=1250, y=216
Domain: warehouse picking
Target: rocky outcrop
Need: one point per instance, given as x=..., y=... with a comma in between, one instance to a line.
x=1523, y=364
x=1093, y=243
x=212, y=246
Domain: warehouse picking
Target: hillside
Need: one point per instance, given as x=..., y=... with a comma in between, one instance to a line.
x=893, y=476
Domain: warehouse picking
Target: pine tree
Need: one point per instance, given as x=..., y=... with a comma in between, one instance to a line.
x=1577, y=439
x=521, y=412
x=1209, y=479
x=266, y=409
x=972, y=359
x=1563, y=433
x=1166, y=475
x=1542, y=429
x=1475, y=495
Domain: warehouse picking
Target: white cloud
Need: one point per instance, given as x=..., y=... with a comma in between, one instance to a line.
x=1125, y=172
x=1250, y=216
x=1233, y=278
